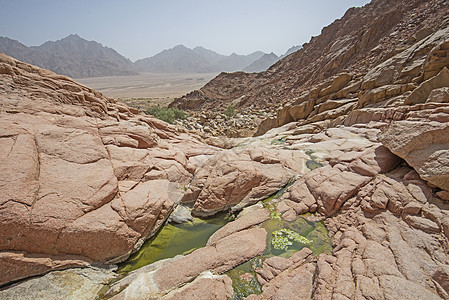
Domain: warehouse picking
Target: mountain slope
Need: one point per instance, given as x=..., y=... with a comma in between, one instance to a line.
x=72, y=56
x=363, y=38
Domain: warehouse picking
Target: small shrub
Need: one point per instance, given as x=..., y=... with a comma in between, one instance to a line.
x=230, y=110
x=166, y=114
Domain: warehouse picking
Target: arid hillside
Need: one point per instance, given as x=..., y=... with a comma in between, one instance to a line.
x=375, y=53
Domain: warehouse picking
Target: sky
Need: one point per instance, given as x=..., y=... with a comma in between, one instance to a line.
x=142, y=28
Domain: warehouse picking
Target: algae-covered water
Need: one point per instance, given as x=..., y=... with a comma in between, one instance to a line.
x=284, y=239
x=173, y=240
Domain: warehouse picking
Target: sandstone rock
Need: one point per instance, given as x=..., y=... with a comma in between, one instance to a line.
x=337, y=84
x=424, y=146
x=440, y=95
x=83, y=179
x=398, y=288
x=16, y=266
x=287, y=278
x=332, y=187
x=67, y=284
x=420, y=94
x=206, y=286
x=382, y=259
x=232, y=179
x=247, y=221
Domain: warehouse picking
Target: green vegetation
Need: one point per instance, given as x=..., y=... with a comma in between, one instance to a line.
x=230, y=110
x=312, y=164
x=166, y=114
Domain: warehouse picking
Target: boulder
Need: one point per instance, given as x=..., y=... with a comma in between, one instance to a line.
x=234, y=180
x=421, y=93
x=424, y=145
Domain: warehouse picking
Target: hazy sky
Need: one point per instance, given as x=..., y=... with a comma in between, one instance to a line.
x=142, y=28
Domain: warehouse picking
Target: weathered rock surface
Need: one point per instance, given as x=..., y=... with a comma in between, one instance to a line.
x=70, y=284
x=424, y=144
x=83, y=178
x=206, y=286
x=283, y=278
x=378, y=254
x=390, y=230
x=237, y=178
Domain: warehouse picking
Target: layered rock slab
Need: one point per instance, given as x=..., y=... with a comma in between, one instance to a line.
x=424, y=145
x=68, y=284
x=84, y=179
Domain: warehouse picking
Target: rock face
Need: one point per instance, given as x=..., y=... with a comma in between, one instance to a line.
x=390, y=229
x=236, y=180
x=83, y=179
x=283, y=278
x=422, y=137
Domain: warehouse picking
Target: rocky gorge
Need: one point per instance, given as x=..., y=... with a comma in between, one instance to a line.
x=358, y=141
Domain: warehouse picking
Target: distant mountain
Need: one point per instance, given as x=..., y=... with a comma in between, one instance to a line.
x=72, y=56
x=267, y=60
x=262, y=63
x=290, y=51
x=181, y=59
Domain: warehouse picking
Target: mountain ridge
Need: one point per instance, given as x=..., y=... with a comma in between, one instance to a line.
x=72, y=56
x=181, y=59
x=77, y=57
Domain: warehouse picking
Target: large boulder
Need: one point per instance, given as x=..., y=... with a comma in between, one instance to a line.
x=424, y=144
x=235, y=179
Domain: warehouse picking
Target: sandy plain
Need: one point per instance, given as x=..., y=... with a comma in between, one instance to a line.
x=156, y=88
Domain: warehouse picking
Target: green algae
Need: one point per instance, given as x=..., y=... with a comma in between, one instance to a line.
x=173, y=240
x=279, y=141
x=312, y=163
x=283, y=238
x=245, y=285
x=287, y=237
